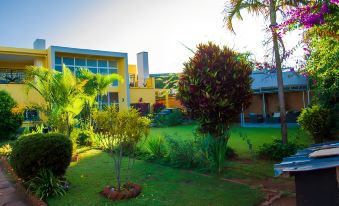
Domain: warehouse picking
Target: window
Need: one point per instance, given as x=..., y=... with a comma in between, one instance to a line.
x=31, y=115
x=93, y=65
x=11, y=76
x=80, y=62
x=102, y=63
x=68, y=61
x=112, y=98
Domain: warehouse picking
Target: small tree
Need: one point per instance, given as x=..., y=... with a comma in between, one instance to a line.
x=120, y=132
x=215, y=87
x=11, y=116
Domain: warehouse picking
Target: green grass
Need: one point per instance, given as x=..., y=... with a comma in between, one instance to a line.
x=161, y=185
x=256, y=136
x=167, y=186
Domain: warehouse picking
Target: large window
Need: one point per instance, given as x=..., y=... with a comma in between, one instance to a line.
x=94, y=65
x=112, y=98
x=11, y=76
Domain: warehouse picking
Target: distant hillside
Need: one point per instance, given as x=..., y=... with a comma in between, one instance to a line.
x=166, y=80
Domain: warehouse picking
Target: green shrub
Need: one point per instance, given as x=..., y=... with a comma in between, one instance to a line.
x=156, y=148
x=183, y=154
x=5, y=150
x=316, y=120
x=46, y=184
x=32, y=153
x=82, y=137
x=85, y=138
x=277, y=151
x=11, y=116
x=174, y=118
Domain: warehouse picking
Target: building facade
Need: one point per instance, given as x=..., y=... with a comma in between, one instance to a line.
x=14, y=61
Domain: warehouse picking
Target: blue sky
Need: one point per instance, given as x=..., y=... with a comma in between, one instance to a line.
x=160, y=27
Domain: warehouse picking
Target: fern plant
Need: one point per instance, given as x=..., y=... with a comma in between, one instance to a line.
x=46, y=184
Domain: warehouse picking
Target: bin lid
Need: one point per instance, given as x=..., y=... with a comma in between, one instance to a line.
x=315, y=157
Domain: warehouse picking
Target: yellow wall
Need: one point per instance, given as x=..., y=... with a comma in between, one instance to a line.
x=147, y=95
x=122, y=88
x=132, y=69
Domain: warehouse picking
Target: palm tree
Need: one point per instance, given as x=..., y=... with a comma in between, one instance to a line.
x=62, y=92
x=269, y=9
x=65, y=94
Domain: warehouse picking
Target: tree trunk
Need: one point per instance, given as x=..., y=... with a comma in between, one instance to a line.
x=273, y=18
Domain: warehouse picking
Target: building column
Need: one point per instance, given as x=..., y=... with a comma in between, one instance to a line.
x=263, y=106
x=304, y=103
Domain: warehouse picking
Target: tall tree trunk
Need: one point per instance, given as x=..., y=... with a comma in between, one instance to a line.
x=273, y=18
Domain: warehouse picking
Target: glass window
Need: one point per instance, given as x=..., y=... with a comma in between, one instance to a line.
x=91, y=63
x=113, y=97
x=113, y=64
x=68, y=61
x=57, y=60
x=115, y=83
x=71, y=68
x=80, y=62
x=103, y=71
x=112, y=71
x=102, y=63
x=93, y=70
x=58, y=68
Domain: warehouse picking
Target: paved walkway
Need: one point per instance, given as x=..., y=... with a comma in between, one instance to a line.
x=8, y=194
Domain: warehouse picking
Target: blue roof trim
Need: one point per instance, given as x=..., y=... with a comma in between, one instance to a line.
x=302, y=162
x=88, y=52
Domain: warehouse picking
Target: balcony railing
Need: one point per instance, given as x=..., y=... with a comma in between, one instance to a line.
x=8, y=76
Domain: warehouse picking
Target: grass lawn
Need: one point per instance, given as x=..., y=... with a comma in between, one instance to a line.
x=164, y=185
x=257, y=136
x=161, y=185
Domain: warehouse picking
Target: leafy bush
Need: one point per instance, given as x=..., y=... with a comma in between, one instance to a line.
x=46, y=184
x=174, y=118
x=215, y=87
x=120, y=131
x=32, y=153
x=85, y=138
x=5, y=150
x=82, y=137
x=156, y=148
x=12, y=116
x=183, y=154
x=316, y=120
x=158, y=106
x=277, y=151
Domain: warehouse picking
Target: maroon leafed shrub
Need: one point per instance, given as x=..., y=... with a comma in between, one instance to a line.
x=215, y=86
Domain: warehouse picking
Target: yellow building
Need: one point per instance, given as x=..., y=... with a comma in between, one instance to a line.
x=142, y=87
x=13, y=62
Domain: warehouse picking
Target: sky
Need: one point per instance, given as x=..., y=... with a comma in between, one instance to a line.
x=163, y=28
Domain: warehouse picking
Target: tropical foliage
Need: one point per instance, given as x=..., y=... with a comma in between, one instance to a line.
x=316, y=120
x=45, y=184
x=12, y=116
x=65, y=94
x=269, y=10
x=215, y=87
